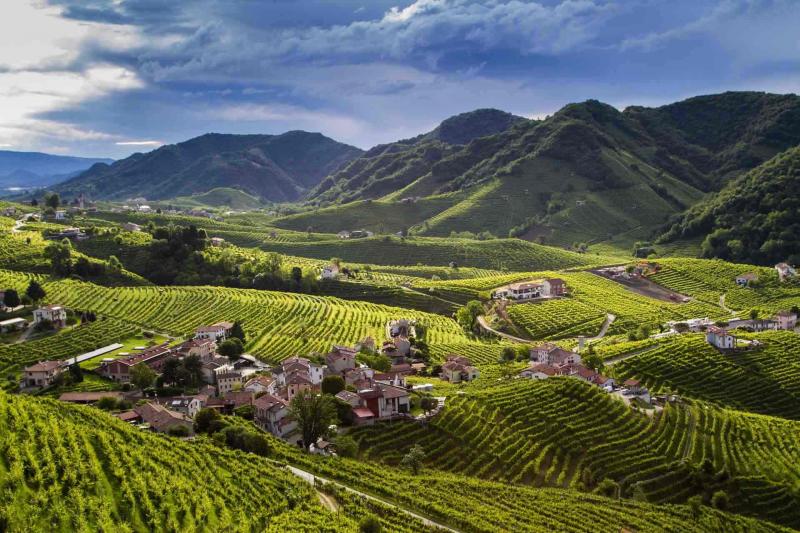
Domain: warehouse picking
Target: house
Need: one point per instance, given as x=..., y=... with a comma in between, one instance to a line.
x=298, y=365
x=297, y=383
x=144, y=209
x=60, y=214
x=363, y=416
x=217, y=241
x=528, y=290
x=71, y=233
x=720, y=338
x=785, y=320
x=349, y=397
x=581, y=372
x=330, y=272
x=341, y=359
x=344, y=234
x=120, y=369
x=272, y=414
x=43, y=373
x=13, y=324
x=603, y=382
x=130, y=226
x=744, y=280
x=634, y=386
x=239, y=398
x=161, y=419
x=538, y=371
x=204, y=348
x=551, y=354
x=260, y=384
x=385, y=401
x=554, y=287
x=458, y=368
x=218, y=332
x=785, y=271
x=55, y=314
x=228, y=381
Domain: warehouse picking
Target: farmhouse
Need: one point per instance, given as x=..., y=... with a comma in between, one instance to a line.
x=458, y=368
x=720, y=338
x=55, y=314
x=744, y=280
x=120, y=369
x=204, y=348
x=260, y=384
x=130, y=226
x=785, y=271
x=218, y=332
x=217, y=241
x=785, y=320
x=385, y=401
x=551, y=354
x=161, y=419
x=43, y=373
x=228, y=382
x=330, y=272
x=538, y=371
x=528, y=290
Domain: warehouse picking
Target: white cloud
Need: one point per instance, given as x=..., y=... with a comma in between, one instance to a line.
x=338, y=126
x=138, y=143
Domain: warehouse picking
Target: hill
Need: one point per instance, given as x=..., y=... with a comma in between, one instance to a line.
x=220, y=197
x=754, y=218
x=35, y=169
x=586, y=173
x=272, y=167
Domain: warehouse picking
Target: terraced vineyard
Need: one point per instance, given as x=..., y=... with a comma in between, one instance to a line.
x=277, y=324
x=63, y=345
x=557, y=318
x=762, y=380
x=562, y=432
x=76, y=468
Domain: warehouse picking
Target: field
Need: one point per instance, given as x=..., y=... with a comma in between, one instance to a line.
x=75, y=468
x=564, y=433
x=557, y=318
x=762, y=380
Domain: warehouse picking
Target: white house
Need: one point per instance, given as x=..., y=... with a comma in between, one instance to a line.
x=551, y=354
x=538, y=371
x=720, y=338
x=785, y=271
x=272, y=414
x=43, y=373
x=330, y=272
x=61, y=214
x=743, y=280
x=56, y=314
x=785, y=320
x=217, y=332
x=130, y=226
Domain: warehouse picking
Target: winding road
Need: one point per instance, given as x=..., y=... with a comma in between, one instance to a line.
x=486, y=327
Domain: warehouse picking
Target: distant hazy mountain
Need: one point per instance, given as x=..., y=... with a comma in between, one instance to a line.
x=35, y=169
x=272, y=167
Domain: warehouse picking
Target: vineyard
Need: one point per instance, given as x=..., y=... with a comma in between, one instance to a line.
x=564, y=433
x=64, y=344
x=557, y=318
x=73, y=468
x=762, y=380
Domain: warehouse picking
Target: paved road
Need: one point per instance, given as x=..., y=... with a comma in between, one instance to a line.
x=485, y=325
x=604, y=328
x=309, y=477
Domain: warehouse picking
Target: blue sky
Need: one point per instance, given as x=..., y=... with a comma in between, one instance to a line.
x=110, y=77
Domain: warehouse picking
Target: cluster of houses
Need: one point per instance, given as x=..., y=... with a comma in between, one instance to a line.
x=55, y=315
x=549, y=360
x=354, y=234
x=722, y=338
x=529, y=290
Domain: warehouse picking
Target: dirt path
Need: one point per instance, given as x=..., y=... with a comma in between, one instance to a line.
x=25, y=335
x=725, y=307
x=604, y=328
x=310, y=478
x=328, y=502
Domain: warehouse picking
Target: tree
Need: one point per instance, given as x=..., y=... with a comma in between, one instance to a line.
x=509, y=354
x=231, y=348
x=75, y=373
x=52, y=200
x=369, y=524
x=608, y=487
x=35, y=291
x=346, y=446
x=332, y=384
x=413, y=459
x=428, y=403
x=204, y=418
x=142, y=376
x=594, y=361
x=720, y=500
x=695, y=504
x=193, y=368
x=60, y=254
x=107, y=403
x=170, y=370
x=467, y=315
x=313, y=413
x=238, y=332
x=11, y=298
x=114, y=264
x=297, y=275
x=754, y=314
x=178, y=431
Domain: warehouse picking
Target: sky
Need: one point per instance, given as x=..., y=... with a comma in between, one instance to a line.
x=107, y=78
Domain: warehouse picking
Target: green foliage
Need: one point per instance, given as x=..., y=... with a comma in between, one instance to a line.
x=332, y=384
x=142, y=376
x=313, y=414
x=413, y=459
x=35, y=291
x=467, y=316
x=204, y=418
x=346, y=446
x=11, y=298
x=231, y=348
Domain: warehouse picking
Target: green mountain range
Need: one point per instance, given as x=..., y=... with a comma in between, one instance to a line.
x=276, y=168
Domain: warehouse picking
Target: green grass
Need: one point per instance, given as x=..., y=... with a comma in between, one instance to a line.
x=219, y=197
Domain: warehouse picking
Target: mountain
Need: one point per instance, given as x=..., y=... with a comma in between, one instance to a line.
x=753, y=219
x=276, y=168
x=36, y=169
x=389, y=167
x=587, y=173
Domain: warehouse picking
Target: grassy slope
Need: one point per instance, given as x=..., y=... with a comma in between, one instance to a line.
x=220, y=197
